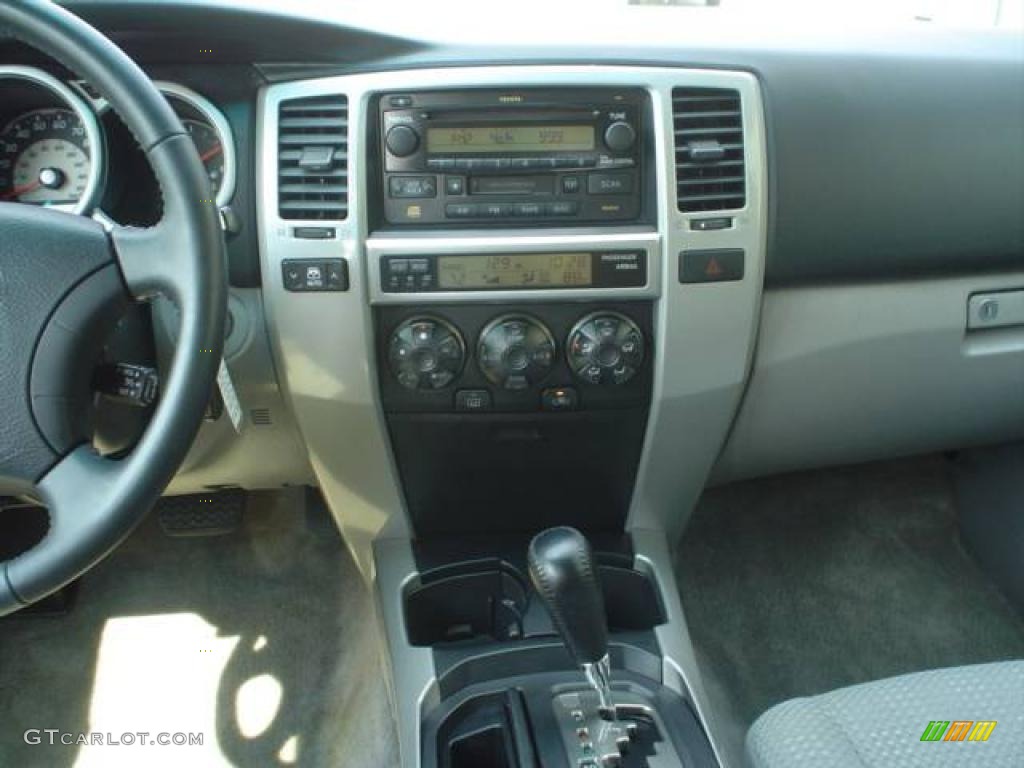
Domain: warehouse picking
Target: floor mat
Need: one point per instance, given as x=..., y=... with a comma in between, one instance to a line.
x=800, y=584
x=262, y=642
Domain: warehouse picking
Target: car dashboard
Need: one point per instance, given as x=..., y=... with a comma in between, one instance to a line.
x=475, y=288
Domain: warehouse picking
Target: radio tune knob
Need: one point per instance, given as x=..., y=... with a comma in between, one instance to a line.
x=402, y=140
x=426, y=353
x=619, y=136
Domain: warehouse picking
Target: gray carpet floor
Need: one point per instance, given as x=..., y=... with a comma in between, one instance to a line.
x=800, y=584
x=264, y=640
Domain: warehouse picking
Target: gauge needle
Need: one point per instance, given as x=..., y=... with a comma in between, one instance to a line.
x=23, y=189
x=212, y=152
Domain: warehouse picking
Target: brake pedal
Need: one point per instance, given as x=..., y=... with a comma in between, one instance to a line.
x=202, y=514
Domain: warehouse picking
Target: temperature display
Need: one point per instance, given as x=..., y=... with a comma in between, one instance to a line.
x=511, y=138
x=519, y=270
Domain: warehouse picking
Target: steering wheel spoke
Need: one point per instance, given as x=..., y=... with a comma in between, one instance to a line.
x=144, y=259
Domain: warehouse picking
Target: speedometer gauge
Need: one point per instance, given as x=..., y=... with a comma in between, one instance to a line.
x=51, y=148
x=44, y=158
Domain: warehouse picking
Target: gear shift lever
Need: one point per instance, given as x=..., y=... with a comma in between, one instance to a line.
x=563, y=572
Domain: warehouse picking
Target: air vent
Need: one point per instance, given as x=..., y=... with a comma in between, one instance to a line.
x=312, y=151
x=709, y=149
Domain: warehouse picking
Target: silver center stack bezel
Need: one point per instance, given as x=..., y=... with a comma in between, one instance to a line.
x=703, y=341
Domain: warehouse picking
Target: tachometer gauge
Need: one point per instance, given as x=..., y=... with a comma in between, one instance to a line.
x=45, y=158
x=211, y=150
x=211, y=133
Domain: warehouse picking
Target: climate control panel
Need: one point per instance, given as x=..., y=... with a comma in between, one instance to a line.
x=499, y=358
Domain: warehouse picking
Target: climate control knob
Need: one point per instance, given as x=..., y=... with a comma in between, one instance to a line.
x=605, y=348
x=515, y=351
x=426, y=353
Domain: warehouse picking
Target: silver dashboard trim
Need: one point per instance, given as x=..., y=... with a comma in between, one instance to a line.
x=97, y=147
x=324, y=342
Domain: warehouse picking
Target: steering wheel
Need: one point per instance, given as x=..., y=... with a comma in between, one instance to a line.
x=64, y=281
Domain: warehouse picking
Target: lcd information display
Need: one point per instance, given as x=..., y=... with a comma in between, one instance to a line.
x=520, y=270
x=510, y=138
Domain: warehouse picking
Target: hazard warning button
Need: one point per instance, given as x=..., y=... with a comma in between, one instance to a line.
x=711, y=266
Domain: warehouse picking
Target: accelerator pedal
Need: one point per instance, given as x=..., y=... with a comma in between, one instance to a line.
x=202, y=514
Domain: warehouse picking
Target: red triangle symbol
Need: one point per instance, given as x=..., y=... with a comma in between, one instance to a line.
x=713, y=269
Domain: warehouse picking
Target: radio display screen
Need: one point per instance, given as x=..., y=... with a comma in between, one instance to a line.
x=519, y=270
x=510, y=138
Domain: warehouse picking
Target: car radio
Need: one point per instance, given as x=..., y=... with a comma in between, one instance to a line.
x=534, y=156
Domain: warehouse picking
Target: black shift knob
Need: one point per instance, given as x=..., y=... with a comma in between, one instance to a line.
x=564, y=574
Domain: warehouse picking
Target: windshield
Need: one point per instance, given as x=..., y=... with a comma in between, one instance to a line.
x=478, y=20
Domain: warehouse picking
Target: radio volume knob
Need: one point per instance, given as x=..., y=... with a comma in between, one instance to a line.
x=619, y=136
x=402, y=140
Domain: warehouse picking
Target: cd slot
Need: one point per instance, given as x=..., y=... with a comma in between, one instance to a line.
x=512, y=185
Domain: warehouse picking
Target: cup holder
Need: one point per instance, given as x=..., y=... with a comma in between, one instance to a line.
x=456, y=604
x=489, y=599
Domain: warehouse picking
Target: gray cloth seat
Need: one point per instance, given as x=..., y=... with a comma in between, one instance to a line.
x=881, y=724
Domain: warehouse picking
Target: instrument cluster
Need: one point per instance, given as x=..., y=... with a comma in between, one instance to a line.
x=62, y=146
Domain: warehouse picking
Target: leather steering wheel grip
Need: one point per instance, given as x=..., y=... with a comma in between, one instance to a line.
x=95, y=502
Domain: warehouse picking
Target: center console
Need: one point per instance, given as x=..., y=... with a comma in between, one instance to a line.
x=515, y=378
x=526, y=331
